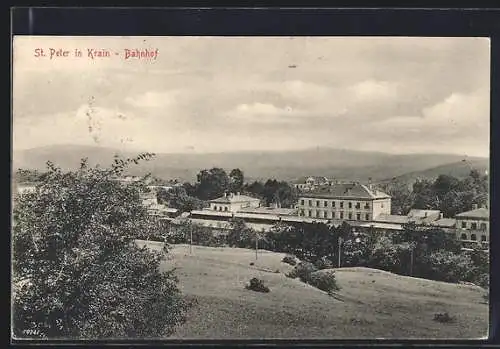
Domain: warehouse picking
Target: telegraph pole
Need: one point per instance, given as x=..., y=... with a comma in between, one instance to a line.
x=190, y=240
x=411, y=260
x=339, y=251
x=256, y=244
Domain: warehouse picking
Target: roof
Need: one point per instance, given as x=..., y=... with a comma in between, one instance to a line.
x=477, y=213
x=445, y=223
x=233, y=199
x=346, y=190
x=376, y=225
x=303, y=180
x=417, y=213
x=390, y=218
x=213, y=213
x=269, y=210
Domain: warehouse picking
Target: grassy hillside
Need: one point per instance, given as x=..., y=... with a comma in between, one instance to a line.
x=285, y=165
x=371, y=303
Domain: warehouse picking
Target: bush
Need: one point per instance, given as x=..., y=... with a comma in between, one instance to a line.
x=303, y=271
x=323, y=263
x=324, y=281
x=289, y=260
x=76, y=271
x=257, y=285
x=443, y=317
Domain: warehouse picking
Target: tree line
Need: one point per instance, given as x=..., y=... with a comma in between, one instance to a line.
x=425, y=252
x=446, y=193
x=214, y=182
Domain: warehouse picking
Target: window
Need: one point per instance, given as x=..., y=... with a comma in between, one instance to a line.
x=317, y=214
x=464, y=225
x=358, y=205
x=367, y=217
x=341, y=215
x=302, y=202
x=325, y=214
x=310, y=213
x=310, y=203
x=350, y=215
x=483, y=237
x=463, y=237
x=317, y=203
x=483, y=226
x=473, y=225
x=473, y=237
x=350, y=204
x=358, y=216
x=381, y=205
x=302, y=212
x=215, y=208
x=367, y=206
x=333, y=204
x=225, y=208
x=220, y=208
x=325, y=203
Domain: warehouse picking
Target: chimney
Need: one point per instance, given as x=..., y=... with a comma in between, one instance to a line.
x=474, y=206
x=425, y=214
x=225, y=194
x=441, y=215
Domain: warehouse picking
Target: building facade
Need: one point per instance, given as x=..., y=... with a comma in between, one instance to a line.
x=344, y=201
x=310, y=183
x=233, y=203
x=473, y=226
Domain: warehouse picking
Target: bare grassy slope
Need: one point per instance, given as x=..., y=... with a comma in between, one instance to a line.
x=371, y=303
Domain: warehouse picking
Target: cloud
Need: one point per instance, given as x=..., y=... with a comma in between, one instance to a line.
x=374, y=90
x=258, y=113
x=154, y=99
x=458, y=123
x=359, y=92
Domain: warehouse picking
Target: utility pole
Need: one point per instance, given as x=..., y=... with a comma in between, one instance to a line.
x=190, y=240
x=256, y=244
x=411, y=260
x=339, y=251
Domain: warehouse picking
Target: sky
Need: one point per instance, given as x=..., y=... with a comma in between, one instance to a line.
x=220, y=94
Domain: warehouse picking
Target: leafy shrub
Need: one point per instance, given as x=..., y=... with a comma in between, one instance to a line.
x=324, y=280
x=77, y=272
x=323, y=263
x=447, y=266
x=257, y=285
x=303, y=271
x=289, y=260
x=443, y=317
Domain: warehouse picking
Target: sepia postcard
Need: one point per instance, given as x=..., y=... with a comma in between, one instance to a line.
x=204, y=187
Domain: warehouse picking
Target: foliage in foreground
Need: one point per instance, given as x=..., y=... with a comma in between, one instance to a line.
x=76, y=270
x=257, y=285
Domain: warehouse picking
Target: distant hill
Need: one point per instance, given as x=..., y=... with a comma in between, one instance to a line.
x=460, y=170
x=283, y=165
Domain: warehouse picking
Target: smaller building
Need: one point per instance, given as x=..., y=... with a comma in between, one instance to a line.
x=233, y=203
x=310, y=183
x=473, y=226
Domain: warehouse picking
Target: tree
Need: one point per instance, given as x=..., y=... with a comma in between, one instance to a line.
x=236, y=179
x=212, y=183
x=76, y=269
x=240, y=235
x=177, y=197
